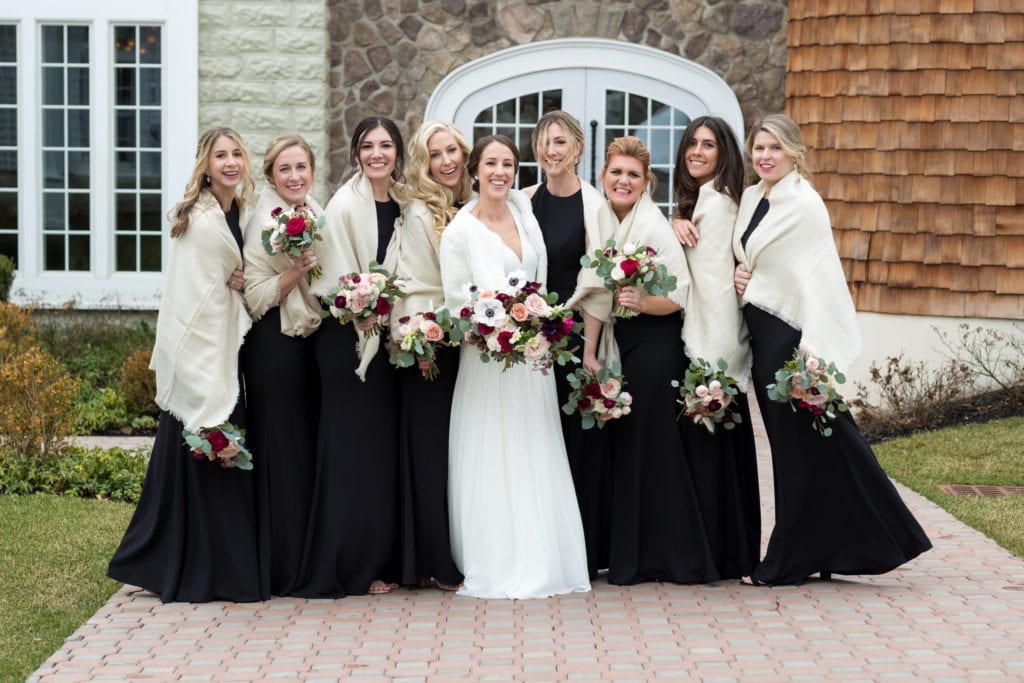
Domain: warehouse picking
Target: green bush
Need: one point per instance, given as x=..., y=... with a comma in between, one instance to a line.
x=138, y=383
x=6, y=277
x=114, y=474
x=100, y=410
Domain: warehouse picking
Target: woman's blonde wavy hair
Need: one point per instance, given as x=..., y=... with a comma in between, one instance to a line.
x=199, y=181
x=439, y=199
x=787, y=132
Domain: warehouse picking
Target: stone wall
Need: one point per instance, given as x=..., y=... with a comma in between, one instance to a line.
x=386, y=56
x=263, y=71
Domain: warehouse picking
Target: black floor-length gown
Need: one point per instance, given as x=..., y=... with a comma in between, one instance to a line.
x=658, y=530
x=835, y=508
x=588, y=450
x=283, y=408
x=426, y=408
x=723, y=465
x=193, y=536
x=353, y=527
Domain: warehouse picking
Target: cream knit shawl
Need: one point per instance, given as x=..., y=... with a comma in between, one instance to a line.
x=300, y=310
x=350, y=244
x=472, y=254
x=713, y=326
x=419, y=263
x=599, y=224
x=795, y=272
x=201, y=322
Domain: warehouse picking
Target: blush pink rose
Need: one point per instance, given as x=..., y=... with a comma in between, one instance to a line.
x=611, y=388
x=519, y=312
x=432, y=332
x=536, y=305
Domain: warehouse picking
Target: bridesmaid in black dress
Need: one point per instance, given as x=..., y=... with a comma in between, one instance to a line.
x=575, y=220
x=193, y=537
x=836, y=511
x=282, y=387
x=353, y=522
x=657, y=527
x=438, y=185
x=708, y=184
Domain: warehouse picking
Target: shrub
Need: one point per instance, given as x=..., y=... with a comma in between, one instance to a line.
x=138, y=383
x=996, y=356
x=6, y=277
x=16, y=331
x=114, y=474
x=100, y=410
x=35, y=414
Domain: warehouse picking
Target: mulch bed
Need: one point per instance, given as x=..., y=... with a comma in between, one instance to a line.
x=992, y=405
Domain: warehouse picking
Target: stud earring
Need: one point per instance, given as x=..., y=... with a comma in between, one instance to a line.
x=206, y=179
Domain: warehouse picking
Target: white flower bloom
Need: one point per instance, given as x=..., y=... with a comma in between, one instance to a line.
x=489, y=312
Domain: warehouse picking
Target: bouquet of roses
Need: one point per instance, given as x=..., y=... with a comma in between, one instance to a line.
x=360, y=295
x=632, y=265
x=598, y=398
x=418, y=336
x=224, y=445
x=292, y=232
x=806, y=382
x=706, y=395
x=517, y=323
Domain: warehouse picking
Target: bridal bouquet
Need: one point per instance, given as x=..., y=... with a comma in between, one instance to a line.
x=224, y=445
x=633, y=265
x=597, y=398
x=706, y=394
x=292, y=232
x=517, y=323
x=806, y=382
x=360, y=295
x=417, y=338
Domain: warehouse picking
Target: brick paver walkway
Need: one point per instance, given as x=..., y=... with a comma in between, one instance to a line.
x=954, y=614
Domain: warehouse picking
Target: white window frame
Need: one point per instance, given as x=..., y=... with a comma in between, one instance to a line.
x=102, y=286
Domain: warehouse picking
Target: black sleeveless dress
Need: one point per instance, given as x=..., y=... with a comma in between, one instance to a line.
x=193, y=537
x=835, y=508
x=589, y=451
x=352, y=530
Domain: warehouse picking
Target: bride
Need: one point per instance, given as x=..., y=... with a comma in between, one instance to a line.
x=515, y=525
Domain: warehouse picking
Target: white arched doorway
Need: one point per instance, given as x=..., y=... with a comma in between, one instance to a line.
x=613, y=88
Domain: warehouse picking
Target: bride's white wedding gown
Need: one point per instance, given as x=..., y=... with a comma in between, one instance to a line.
x=515, y=524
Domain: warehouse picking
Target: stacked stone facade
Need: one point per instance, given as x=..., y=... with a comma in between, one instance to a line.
x=387, y=56
x=263, y=70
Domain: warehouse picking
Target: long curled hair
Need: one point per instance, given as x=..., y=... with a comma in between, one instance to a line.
x=787, y=132
x=631, y=146
x=179, y=215
x=280, y=144
x=478, y=151
x=440, y=200
x=371, y=123
x=728, y=169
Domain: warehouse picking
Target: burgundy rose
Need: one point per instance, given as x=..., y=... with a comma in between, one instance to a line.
x=484, y=330
x=404, y=319
x=531, y=288
x=505, y=341
x=465, y=312
x=584, y=403
x=552, y=329
x=592, y=389
x=356, y=278
x=198, y=455
x=339, y=301
x=295, y=226
x=276, y=212
x=609, y=403
x=629, y=266
x=651, y=251
x=502, y=297
x=218, y=441
x=430, y=315
x=383, y=307
x=714, y=406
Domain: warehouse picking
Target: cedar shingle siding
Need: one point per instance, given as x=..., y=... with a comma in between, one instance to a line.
x=914, y=110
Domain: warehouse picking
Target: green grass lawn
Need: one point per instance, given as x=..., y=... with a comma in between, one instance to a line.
x=53, y=567
x=989, y=453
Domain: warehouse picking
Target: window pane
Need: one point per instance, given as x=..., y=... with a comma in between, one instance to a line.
x=78, y=252
x=485, y=116
x=53, y=170
x=124, y=44
x=125, y=252
x=149, y=128
x=149, y=45
x=78, y=44
x=53, y=246
x=9, y=127
x=78, y=128
x=552, y=101
x=661, y=192
x=78, y=169
x=150, y=245
x=53, y=44
x=125, y=209
x=8, y=210
x=614, y=108
x=525, y=144
x=8, y=85
x=528, y=108
x=8, y=39
x=149, y=87
x=124, y=86
x=125, y=128
x=124, y=172
x=78, y=86
x=53, y=127
x=151, y=173
x=661, y=146
x=8, y=168
x=150, y=212
x=507, y=131
x=528, y=176
x=507, y=111
x=9, y=247
x=637, y=110
x=78, y=211
x=53, y=85
x=661, y=113
x=53, y=211
x=679, y=118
